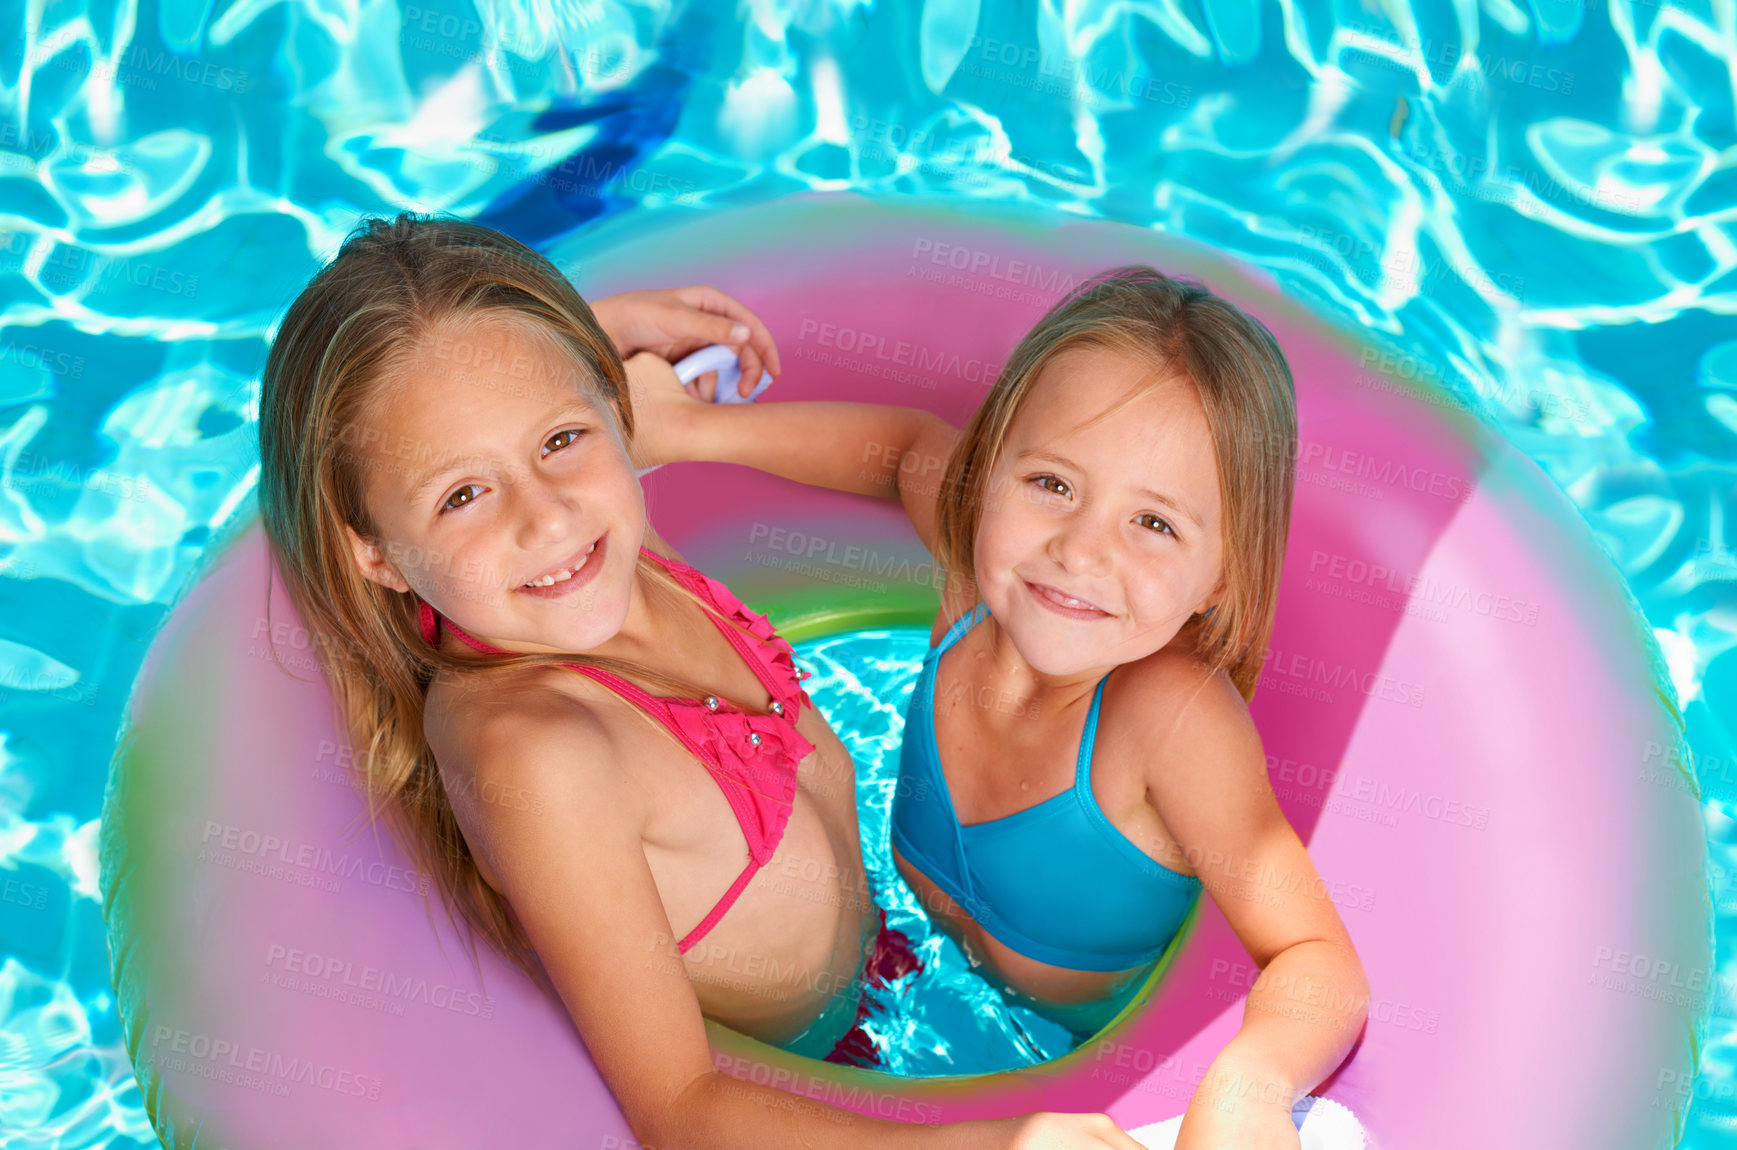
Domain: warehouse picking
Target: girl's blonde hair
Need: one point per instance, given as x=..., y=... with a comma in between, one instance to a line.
x=395, y=286
x=1181, y=329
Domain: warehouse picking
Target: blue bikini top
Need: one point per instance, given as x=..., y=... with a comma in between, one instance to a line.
x=1056, y=882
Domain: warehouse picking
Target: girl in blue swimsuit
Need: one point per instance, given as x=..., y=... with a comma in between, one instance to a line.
x=1078, y=760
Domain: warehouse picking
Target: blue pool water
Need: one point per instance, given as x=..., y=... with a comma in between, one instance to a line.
x=1539, y=193
x=945, y=1020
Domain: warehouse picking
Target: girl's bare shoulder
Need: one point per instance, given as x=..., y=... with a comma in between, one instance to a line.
x=498, y=721
x=1162, y=674
x=523, y=761
x=1171, y=709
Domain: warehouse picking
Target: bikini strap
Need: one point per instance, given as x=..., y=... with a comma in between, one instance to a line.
x=759, y=631
x=957, y=631
x=699, y=584
x=430, y=620
x=1088, y=740
x=1088, y=737
x=658, y=708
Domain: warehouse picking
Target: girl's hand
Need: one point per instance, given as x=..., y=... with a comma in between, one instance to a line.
x=663, y=408
x=1045, y=1131
x=673, y=322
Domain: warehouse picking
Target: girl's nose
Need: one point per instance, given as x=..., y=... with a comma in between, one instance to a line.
x=1080, y=544
x=548, y=514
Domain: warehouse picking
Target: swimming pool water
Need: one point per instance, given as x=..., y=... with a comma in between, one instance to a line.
x=945, y=1019
x=1537, y=195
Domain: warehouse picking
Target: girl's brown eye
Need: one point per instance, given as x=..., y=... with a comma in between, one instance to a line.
x=1156, y=524
x=575, y=432
x=1044, y=481
x=449, y=505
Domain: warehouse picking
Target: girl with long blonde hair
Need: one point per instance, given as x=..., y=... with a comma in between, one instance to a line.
x=448, y=483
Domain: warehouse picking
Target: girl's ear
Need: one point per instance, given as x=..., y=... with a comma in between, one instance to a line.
x=371, y=562
x=1209, y=604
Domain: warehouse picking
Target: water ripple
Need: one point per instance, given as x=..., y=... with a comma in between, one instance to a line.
x=1538, y=194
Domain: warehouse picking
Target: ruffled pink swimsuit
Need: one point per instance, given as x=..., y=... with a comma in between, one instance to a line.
x=752, y=757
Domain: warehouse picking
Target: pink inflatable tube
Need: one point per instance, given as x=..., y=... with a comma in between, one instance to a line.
x=1467, y=723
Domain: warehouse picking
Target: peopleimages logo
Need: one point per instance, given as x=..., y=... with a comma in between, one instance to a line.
x=1381, y=470
x=33, y=356
x=1317, y=678
x=993, y=265
x=253, y=1067
x=848, y=1096
x=283, y=963
x=890, y=566
x=1419, y=588
x=308, y=864
x=874, y=349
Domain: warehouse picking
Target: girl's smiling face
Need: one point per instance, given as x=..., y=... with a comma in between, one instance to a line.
x=1101, y=532
x=491, y=466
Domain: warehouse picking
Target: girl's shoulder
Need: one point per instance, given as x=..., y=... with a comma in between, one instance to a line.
x=1170, y=706
x=498, y=722
x=1182, y=733
x=518, y=759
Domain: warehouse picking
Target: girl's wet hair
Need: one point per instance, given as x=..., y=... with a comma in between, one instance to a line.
x=1182, y=330
x=396, y=288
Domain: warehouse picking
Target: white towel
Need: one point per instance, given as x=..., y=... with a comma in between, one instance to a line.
x=1322, y=1123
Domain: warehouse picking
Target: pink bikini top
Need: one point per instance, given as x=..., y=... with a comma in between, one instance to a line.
x=752, y=757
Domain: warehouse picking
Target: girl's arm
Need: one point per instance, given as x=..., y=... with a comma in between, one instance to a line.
x=574, y=869
x=865, y=448
x=1206, y=772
